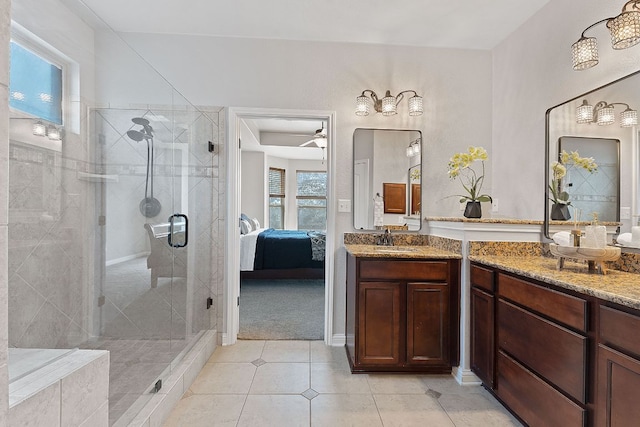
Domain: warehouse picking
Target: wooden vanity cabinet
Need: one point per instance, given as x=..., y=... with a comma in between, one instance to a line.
x=530, y=346
x=482, y=324
x=402, y=314
x=618, y=367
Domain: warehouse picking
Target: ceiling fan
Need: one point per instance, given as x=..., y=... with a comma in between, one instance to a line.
x=319, y=138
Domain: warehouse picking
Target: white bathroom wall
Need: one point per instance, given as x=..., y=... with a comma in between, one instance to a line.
x=531, y=73
x=254, y=186
x=455, y=83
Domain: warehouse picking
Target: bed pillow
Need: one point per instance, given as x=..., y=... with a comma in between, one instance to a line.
x=255, y=223
x=244, y=217
x=245, y=227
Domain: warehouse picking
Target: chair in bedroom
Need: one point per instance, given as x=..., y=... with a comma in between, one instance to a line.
x=161, y=260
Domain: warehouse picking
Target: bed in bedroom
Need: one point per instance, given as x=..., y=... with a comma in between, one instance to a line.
x=282, y=254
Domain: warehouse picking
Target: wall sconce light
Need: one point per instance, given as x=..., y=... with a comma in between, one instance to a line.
x=414, y=148
x=50, y=131
x=39, y=129
x=603, y=114
x=53, y=133
x=387, y=105
x=624, y=30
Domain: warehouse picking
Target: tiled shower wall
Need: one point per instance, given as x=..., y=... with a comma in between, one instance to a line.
x=50, y=241
x=55, y=202
x=5, y=9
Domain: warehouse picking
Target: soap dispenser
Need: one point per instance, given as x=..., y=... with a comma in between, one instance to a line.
x=595, y=235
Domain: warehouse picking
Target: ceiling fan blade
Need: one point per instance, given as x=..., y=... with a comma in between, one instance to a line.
x=304, y=144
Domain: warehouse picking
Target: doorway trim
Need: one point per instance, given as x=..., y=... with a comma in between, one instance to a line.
x=231, y=286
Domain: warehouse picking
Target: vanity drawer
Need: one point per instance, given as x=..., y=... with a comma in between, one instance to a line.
x=567, y=309
x=535, y=401
x=619, y=329
x=402, y=269
x=554, y=352
x=482, y=278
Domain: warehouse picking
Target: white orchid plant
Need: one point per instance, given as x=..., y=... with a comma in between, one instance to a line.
x=460, y=166
x=559, y=171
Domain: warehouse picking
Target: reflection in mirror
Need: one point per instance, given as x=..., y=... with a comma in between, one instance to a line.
x=593, y=192
x=567, y=128
x=380, y=157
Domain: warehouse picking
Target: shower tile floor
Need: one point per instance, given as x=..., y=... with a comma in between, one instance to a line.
x=142, y=328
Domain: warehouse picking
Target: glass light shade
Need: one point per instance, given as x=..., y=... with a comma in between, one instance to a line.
x=584, y=53
x=416, y=148
x=606, y=116
x=53, y=133
x=389, y=106
x=409, y=151
x=584, y=113
x=363, y=105
x=625, y=30
x=39, y=129
x=415, y=106
x=629, y=118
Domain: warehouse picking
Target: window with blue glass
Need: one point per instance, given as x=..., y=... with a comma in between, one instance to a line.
x=35, y=85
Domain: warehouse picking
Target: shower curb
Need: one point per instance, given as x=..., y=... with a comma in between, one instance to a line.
x=156, y=411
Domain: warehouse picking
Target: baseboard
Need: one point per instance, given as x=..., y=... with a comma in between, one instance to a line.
x=338, y=340
x=125, y=258
x=465, y=376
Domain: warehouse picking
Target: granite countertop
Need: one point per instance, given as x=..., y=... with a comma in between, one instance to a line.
x=616, y=286
x=413, y=252
x=514, y=221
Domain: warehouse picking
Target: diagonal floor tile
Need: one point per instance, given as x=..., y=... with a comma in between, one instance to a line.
x=206, y=410
x=354, y=410
x=224, y=378
x=275, y=410
x=286, y=351
x=333, y=378
x=241, y=351
x=281, y=378
x=411, y=410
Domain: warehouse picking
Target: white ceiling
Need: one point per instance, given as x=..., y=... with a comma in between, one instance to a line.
x=281, y=137
x=472, y=24
x=475, y=24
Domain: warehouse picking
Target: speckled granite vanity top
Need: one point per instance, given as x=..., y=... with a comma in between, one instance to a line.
x=616, y=286
x=412, y=252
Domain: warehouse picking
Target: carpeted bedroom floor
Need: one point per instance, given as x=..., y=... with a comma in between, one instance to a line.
x=281, y=310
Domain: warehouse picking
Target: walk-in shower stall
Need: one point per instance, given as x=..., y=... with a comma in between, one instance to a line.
x=115, y=219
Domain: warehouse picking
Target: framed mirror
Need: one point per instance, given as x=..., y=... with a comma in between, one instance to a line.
x=387, y=159
x=595, y=125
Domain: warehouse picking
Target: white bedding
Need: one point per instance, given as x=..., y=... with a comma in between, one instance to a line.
x=248, y=249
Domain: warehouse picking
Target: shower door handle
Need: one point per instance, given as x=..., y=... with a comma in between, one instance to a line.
x=178, y=231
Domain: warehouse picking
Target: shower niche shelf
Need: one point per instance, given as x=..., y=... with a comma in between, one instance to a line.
x=95, y=177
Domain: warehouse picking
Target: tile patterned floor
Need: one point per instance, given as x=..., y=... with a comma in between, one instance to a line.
x=305, y=383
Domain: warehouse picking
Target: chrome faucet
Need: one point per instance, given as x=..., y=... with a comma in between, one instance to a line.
x=385, y=239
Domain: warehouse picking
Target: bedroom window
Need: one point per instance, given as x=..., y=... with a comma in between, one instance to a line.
x=311, y=198
x=276, y=198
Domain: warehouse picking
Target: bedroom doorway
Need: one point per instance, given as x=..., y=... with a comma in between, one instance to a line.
x=290, y=151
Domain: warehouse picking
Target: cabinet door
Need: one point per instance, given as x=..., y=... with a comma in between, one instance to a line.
x=482, y=335
x=618, y=389
x=428, y=324
x=379, y=323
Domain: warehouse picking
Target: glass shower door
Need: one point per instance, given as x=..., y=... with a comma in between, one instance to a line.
x=152, y=299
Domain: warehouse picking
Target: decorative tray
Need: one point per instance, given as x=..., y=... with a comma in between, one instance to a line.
x=594, y=256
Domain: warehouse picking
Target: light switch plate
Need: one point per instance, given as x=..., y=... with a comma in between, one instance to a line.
x=344, y=205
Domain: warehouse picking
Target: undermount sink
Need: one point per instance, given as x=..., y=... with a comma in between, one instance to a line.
x=394, y=249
